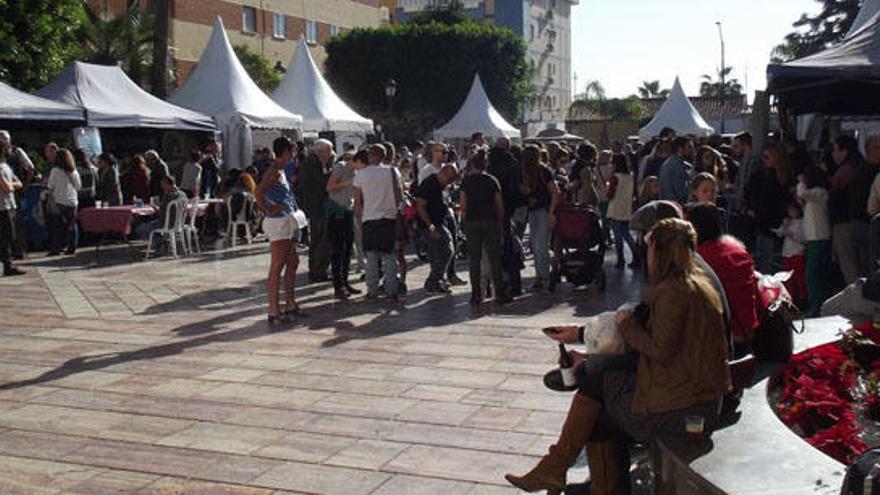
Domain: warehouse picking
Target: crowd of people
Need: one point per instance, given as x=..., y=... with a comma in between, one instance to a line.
x=779, y=207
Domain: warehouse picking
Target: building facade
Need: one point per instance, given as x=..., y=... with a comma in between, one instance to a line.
x=269, y=27
x=545, y=26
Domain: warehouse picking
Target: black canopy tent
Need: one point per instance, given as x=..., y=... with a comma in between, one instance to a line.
x=841, y=80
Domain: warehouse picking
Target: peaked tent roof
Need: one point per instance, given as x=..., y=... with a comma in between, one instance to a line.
x=219, y=86
x=18, y=105
x=304, y=91
x=679, y=114
x=869, y=9
x=111, y=99
x=841, y=79
x=477, y=115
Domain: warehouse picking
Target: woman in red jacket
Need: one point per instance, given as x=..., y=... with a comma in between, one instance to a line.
x=734, y=267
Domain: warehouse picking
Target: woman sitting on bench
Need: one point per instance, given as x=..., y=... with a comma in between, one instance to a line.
x=679, y=368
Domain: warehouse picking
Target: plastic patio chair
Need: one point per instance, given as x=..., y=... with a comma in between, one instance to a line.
x=190, y=232
x=239, y=220
x=173, y=228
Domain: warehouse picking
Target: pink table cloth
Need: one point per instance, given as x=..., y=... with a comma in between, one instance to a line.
x=112, y=218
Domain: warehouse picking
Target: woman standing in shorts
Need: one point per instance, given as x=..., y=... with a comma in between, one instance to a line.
x=275, y=198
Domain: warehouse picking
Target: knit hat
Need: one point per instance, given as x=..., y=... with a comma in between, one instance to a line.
x=647, y=216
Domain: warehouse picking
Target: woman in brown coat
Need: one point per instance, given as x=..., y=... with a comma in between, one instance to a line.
x=679, y=368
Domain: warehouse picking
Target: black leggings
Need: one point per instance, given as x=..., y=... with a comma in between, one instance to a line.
x=590, y=379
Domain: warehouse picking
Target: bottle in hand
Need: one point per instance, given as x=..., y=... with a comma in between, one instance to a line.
x=566, y=367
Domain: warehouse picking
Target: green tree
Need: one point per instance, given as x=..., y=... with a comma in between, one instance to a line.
x=449, y=16
x=594, y=104
x=126, y=39
x=814, y=33
x=38, y=39
x=434, y=66
x=258, y=67
x=712, y=88
x=651, y=89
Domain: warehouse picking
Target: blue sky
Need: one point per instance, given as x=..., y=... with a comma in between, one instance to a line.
x=621, y=43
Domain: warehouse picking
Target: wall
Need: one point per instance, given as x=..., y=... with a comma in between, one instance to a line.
x=602, y=132
x=193, y=21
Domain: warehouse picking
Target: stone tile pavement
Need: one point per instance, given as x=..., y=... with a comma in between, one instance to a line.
x=126, y=376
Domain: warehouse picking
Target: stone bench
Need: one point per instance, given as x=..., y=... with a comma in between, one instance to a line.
x=756, y=455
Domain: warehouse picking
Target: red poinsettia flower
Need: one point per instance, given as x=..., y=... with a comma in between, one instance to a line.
x=840, y=441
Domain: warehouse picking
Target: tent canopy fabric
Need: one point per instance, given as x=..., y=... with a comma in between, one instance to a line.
x=679, y=114
x=219, y=86
x=112, y=100
x=18, y=105
x=476, y=115
x=869, y=9
x=304, y=91
x=844, y=78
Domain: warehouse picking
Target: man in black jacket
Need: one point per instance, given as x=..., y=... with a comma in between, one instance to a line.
x=313, y=177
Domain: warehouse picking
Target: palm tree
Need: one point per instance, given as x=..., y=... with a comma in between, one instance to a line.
x=594, y=91
x=126, y=40
x=651, y=89
x=713, y=89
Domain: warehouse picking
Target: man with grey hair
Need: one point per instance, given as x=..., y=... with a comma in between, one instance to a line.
x=23, y=168
x=158, y=171
x=313, y=176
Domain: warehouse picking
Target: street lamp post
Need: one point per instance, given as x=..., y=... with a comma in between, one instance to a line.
x=723, y=81
x=390, y=93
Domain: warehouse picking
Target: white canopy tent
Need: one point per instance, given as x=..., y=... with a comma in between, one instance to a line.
x=219, y=86
x=304, y=91
x=18, y=105
x=679, y=114
x=476, y=115
x=112, y=100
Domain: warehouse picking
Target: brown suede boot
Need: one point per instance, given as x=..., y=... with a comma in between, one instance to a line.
x=606, y=477
x=550, y=472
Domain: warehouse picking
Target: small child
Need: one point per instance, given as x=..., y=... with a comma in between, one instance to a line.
x=649, y=190
x=793, y=259
x=812, y=192
x=704, y=188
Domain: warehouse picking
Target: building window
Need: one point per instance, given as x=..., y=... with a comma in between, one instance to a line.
x=249, y=19
x=311, y=31
x=531, y=32
x=279, y=25
x=334, y=30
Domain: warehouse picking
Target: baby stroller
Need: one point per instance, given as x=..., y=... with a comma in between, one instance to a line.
x=579, y=250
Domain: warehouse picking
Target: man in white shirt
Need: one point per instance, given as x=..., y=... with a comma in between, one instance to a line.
x=23, y=168
x=9, y=183
x=377, y=193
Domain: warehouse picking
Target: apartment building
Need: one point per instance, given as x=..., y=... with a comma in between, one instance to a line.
x=269, y=27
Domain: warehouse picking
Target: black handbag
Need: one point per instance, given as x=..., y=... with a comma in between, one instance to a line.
x=774, y=340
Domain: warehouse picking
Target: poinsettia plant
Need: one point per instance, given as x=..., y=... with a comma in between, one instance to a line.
x=827, y=389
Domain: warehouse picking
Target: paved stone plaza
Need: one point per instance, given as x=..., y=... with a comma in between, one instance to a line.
x=162, y=377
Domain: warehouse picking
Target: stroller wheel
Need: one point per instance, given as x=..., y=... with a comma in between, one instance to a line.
x=600, y=280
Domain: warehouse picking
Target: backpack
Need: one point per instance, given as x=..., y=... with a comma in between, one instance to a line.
x=863, y=475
